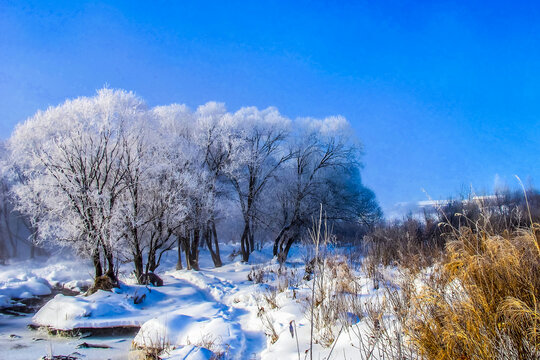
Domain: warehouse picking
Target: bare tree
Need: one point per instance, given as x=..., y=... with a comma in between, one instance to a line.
x=322, y=154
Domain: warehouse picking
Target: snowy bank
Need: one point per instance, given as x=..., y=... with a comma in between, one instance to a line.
x=29, y=279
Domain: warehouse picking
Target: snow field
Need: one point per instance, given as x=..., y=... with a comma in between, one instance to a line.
x=197, y=315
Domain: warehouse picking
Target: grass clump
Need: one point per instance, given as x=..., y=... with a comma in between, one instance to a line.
x=482, y=302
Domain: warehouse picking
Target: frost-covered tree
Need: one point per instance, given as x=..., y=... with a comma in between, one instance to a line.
x=16, y=228
x=261, y=135
x=322, y=171
x=17, y=232
x=220, y=146
x=70, y=157
x=152, y=204
x=186, y=163
x=216, y=144
x=115, y=180
x=5, y=237
x=346, y=199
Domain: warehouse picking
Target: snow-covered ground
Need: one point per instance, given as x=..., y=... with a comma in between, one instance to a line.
x=30, y=278
x=194, y=315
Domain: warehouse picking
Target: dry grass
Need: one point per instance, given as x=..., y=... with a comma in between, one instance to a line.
x=411, y=244
x=151, y=350
x=215, y=345
x=482, y=302
x=268, y=326
x=257, y=274
x=267, y=301
x=469, y=283
x=270, y=298
x=335, y=301
x=101, y=283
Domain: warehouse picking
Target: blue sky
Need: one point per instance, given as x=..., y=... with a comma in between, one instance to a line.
x=442, y=95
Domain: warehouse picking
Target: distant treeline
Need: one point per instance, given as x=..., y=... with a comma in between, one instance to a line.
x=426, y=234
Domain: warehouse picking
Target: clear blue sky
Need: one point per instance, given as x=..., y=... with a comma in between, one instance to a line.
x=442, y=95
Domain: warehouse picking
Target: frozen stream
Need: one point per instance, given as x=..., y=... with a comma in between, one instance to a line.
x=18, y=342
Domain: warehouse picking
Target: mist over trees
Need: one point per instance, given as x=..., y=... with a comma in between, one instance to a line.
x=116, y=180
x=17, y=234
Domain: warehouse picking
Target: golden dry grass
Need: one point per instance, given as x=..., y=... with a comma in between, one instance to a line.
x=482, y=302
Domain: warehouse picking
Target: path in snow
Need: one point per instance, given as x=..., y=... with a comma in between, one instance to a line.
x=212, y=300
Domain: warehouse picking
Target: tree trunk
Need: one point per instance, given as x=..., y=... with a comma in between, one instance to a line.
x=186, y=252
x=139, y=267
x=110, y=267
x=285, y=239
x=97, y=263
x=8, y=230
x=179, y=262
x=282, y=256
x=157, y=261
x=208, y=234
x=279, y=238
x=33, y=245
x=151, y=263
x=194, y=254
x=138, y=261
x=244, y=243
x=216, y=243
x=252, y=238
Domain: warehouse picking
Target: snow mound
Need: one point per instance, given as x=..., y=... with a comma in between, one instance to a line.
x=188, y=310
x=213, y=285
x=23, y=289
x=215, y=331
x=100, y=310
x=78, y=285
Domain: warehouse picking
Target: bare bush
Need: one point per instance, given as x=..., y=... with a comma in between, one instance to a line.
x=416, y=243
x=334, y=298
x=215, y=345
x=153, y=349
x=256, y=274
x=268, y=326
x=270, y=298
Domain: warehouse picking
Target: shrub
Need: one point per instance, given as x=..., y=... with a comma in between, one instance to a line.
x=417, y=242
x=256, y=274
x=411, y=243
